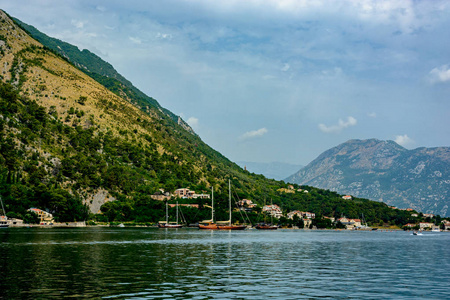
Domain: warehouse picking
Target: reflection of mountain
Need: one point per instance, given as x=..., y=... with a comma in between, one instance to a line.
x=275, y=170
x=384, y=171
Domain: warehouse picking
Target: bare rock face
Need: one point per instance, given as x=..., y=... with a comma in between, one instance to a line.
x=96, y=200
x=384, y=171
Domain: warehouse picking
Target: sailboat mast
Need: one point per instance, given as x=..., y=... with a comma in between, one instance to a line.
x=167, y=212
x=3, y=208
x=177, y=212
x=229, y=196
x=212, y=205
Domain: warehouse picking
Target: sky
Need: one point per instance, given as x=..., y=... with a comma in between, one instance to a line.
x=273, y=80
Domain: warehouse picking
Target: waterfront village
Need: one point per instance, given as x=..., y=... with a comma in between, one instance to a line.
x=272, y=210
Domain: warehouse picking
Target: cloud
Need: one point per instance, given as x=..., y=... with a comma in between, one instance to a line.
x=164, y=36
x=101, y=8
x=339, y=126
x=193, y=122
x=335, y=72
x=78, y=24
x=135, y=40
x=403, y=140
x=441, y=74
x=253, y=134
x=372, y=115
x=285, y=67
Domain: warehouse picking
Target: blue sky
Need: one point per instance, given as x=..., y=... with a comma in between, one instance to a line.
x=273, y=80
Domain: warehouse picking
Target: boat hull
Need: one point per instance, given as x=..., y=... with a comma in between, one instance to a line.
x=170, y=226
x=266, y=227
x=213, y=226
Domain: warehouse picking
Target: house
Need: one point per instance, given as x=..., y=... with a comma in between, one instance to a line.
x=428, y=216
x=45, y=217
x=291, y=214
x=161, y=195
x=426, y=225
x=410, y=225
x=301, y=214
x=347, y=197
x=184, y=205
x=350, y=223
x=356, y=222
x=246, y=204
x=307, y=223
x=274, y=210
x=187, y=193
x=183, y=193
x=329, y=218
x=414, y=215
x=446, y=225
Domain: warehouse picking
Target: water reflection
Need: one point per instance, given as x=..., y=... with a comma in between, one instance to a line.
x=187, y=263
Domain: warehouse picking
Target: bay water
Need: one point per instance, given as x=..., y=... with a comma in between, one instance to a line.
x=150, y=263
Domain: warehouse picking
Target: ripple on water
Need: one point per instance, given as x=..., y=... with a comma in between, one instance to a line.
x=191, y=264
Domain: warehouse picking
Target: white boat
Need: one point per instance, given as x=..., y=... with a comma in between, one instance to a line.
x=166, y=223
x=436, y=229
x=417, y=233
x=3, y=218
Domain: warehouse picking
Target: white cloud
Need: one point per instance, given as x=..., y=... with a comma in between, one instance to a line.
x=78, y=24
x=285, y=67
x=441, y=74
x=253, y=134
x=403, y=140
x=372, y=115
x=135, y=40
x=339, y=126
x=335, y=72
x=164, y=36
x=101, y=8
x=193, y=122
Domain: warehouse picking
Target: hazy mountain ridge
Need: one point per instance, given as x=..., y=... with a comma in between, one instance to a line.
x=275, y=170
x=68, y=140
x=384, y=171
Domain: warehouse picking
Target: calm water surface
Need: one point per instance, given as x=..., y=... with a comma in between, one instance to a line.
x=124, y=263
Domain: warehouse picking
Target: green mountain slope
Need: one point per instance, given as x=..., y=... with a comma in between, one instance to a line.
x=69, y=145
x=100, y=70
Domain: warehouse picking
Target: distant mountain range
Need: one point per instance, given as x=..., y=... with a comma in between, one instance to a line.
x=77, y=138
x=384, y=171
x=274, y=170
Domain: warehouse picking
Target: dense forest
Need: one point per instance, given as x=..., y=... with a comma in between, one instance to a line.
x=60, y=145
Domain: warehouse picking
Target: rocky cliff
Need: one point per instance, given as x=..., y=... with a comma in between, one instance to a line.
x=384, y=171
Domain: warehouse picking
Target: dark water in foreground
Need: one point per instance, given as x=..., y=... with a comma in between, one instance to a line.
x=123, y=263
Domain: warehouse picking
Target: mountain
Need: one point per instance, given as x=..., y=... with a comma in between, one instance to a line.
x=101, y=71
x=76, y=141
x=384, y=171
x=275, y=170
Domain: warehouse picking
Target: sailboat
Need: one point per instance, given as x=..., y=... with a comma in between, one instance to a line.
x=363, y=224
x=167, y=224
x=265, y=226
x=3, y=219
x=209, y=224
x=223, y=225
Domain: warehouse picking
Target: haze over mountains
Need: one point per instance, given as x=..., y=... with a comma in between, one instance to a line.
x=384, y=171
x=74, y=138
x=275, y=170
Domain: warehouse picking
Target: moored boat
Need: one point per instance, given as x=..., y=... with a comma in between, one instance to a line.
x=166, y=223
x=3, y=218
x=220, y=225
x=264, y=226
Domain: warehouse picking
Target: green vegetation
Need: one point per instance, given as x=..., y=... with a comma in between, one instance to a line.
x=48, y=164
